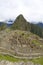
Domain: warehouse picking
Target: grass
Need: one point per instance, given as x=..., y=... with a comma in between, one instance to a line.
x=38, y=60
x=36, y=42
x=9, y=58
x=12, y=59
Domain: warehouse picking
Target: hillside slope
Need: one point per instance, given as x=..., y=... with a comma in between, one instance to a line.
x=20, y=43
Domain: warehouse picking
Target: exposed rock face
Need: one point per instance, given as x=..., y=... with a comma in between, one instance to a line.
x=4, y=62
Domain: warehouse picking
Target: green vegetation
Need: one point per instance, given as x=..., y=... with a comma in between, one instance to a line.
x=38, y=60
x=10, y=58
x=36, y=42
x=3, y=26
x=36, y=30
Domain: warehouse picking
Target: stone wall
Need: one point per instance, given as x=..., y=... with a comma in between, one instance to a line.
x=4, y=62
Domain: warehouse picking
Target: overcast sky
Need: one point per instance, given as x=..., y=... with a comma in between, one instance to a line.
x=31, y=9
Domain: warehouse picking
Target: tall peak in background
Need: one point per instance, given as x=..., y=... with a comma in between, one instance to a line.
x=20, y=18
x=21, y=23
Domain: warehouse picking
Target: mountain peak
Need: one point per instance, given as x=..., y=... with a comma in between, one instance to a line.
x=20, y=17
x=20, y=23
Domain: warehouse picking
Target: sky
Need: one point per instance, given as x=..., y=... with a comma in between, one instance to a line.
x=32, y=10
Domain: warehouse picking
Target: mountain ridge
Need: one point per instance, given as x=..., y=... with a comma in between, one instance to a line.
x=21, y=23
x=40, y=24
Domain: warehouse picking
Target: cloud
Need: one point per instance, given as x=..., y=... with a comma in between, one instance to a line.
x=31, y=9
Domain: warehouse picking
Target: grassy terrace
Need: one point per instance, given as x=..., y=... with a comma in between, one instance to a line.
x=38, y=60
x=12, y=59
x=9, y=58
